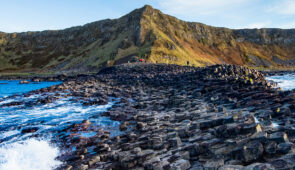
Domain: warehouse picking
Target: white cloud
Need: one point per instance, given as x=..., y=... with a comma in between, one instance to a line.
x=283, y=7
x=259, y=25
x=288, y=25
x=200, y=7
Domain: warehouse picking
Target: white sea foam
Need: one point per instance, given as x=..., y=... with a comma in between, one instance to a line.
x=256, y=120
x=19, y=151
x=7, y=101
x=53, y=114
x=31, y=154
x=274, y=125
x=9, y=133
x=33, y=96
x=286, y=82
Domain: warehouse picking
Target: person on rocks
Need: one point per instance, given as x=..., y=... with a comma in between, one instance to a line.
x=187, y=63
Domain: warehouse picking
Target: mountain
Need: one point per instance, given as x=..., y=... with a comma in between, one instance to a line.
x=145, y=33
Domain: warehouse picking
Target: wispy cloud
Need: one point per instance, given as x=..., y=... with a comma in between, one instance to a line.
x=259, y=25
x=288, y=25
x=283, y=7
x=200, y=7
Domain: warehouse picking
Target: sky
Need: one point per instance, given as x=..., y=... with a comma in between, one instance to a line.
x=38, y=15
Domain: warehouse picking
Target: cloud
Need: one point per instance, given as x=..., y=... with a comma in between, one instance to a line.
x=288, y=25
x=200, y=7
x=283, y=7
x=259, y=25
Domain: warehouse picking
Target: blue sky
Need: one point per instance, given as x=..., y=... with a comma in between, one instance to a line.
x=37, y=15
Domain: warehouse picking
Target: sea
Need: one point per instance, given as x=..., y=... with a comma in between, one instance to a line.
x=286, y=81
x=38, y=150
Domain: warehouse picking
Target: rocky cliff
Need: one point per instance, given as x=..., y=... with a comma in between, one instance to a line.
x=145, y=33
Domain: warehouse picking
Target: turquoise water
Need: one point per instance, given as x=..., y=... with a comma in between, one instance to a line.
x=11, y=87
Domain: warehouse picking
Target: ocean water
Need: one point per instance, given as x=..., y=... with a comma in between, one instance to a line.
x=11, y=87
x=286, y=82
x=38, y=149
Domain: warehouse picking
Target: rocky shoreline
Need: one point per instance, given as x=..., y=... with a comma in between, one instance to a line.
x=173, y=117
x=39, y=78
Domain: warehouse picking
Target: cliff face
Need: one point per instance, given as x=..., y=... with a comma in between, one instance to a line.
x=149, y=34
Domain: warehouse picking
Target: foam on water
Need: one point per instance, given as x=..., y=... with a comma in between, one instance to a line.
x=9, y=133
x=274, y=125
x=7, y=101
x=19, y=150
x=31, y=154
x=256, y=120
x=50, y=117
x=286, y=82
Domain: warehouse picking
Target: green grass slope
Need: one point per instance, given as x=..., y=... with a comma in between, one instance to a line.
x=144, y=33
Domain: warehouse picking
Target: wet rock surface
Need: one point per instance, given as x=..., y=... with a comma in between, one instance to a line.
x=175, y=117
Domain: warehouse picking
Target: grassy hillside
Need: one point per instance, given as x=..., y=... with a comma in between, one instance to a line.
x=178, y=41
x=145, y=33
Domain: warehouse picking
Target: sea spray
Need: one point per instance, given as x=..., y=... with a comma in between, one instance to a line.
x=30, y=154
x=286, y=82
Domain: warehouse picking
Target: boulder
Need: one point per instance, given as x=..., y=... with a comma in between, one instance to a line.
x=270, y=147
x=123, y=126
x=141, y=125
x=29, y=130
x=252, y=151
x=94, y=160
x=24, y=82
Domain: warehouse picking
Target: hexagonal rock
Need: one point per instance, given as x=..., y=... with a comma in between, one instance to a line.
x=285, y=147
x=270, y=147
x=180, y=164
x=214, y=164
x=279, y=137
x=252, y=151
x=232, y=167
x=174, y=142
x=285, y=162
x=259, y=166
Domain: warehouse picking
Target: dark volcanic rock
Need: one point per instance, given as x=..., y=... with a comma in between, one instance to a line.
x=29, y=130
x=175, y=117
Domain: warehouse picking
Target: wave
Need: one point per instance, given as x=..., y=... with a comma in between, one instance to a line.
x=286, y=82
x=30, y=154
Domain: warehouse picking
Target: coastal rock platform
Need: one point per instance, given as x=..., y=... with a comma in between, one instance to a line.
x=179, y=117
